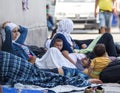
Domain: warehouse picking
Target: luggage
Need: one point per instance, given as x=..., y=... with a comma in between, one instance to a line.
x=111, y=74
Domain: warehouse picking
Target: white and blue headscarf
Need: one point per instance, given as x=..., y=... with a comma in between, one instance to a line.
x=12, y=26
x=65, y=27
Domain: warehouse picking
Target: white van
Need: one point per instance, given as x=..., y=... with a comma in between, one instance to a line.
x=80, y=11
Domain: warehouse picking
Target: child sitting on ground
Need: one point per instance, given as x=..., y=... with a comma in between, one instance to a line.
x=99, y=62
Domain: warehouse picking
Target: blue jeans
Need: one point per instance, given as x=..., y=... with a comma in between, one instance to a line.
x=50, y=23
x=105, y=19
x=69, y=72
x=72, y=72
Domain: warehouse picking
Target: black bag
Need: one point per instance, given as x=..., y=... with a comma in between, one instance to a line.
x=111, y=74
x=38, y=51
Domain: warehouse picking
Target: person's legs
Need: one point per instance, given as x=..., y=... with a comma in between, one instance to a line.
x=51, y=20
x=54, y=70
x=108, y=21
x=49, y=25
x=102, y=22
x=108, y=41
x=74, y=72
x=13, y=68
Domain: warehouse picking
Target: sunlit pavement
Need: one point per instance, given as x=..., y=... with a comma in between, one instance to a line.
x=92, y=34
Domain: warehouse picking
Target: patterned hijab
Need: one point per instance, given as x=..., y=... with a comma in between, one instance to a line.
x=65, y=27
x=12, y=26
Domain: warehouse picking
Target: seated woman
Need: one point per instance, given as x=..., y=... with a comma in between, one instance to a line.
x=14, y=44
x=17, y=70
x=65, y=27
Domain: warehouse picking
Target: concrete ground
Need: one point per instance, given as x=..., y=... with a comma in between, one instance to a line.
x=92, y=34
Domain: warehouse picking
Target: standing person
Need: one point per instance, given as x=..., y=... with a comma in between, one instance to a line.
x=105, y=8
x=50, y=22
x=99, y=62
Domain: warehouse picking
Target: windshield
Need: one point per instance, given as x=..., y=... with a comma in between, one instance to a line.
x=76, y=0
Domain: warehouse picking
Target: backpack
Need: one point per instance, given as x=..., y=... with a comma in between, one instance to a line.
x=38, y=51
x=111, y=74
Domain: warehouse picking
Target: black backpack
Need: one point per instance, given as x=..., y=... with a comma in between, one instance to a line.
x=111, y=74
x=38, y=51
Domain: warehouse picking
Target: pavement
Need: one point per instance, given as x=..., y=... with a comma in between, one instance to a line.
x=92, y=34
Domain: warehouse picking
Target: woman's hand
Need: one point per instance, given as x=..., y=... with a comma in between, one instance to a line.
x=32, y=59
x=4, y=24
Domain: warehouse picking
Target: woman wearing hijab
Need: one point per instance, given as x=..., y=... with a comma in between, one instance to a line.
x=14, y=44
x=20, y=70
x=65, y=27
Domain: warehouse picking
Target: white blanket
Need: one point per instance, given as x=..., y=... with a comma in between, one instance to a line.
x=108, y=87
x=53, y=58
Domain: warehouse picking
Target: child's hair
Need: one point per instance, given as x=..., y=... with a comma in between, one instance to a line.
x=99, y=50
x=58, y=40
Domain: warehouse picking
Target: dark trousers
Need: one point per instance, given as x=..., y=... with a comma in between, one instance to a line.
x=108, y=41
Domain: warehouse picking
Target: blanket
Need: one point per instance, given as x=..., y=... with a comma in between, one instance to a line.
x=108, y=88
x=17, y=70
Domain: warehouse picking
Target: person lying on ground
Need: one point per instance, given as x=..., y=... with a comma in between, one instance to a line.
x=99, y=62
x=17, y=70
x=65, y=27
x=15, y=45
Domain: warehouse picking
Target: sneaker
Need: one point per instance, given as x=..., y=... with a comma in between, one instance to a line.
x=99, y=89
x=89, y=90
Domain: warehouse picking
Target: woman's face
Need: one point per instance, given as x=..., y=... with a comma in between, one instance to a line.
x=15, y=33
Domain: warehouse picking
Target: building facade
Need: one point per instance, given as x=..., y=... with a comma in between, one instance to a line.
x=29, y=13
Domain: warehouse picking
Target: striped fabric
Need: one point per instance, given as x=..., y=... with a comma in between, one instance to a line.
x=13, y=70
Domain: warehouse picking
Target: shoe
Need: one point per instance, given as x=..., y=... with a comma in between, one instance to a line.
x=89, y=90
x=99, y=89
